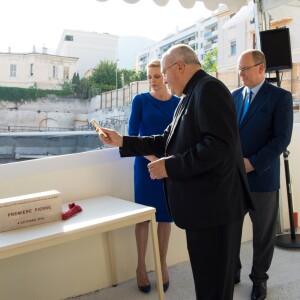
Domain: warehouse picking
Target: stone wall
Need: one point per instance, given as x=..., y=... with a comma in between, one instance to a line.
x=56, y=113
x=45, y=112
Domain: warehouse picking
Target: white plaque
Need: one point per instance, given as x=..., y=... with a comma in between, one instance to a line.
x=31, y=209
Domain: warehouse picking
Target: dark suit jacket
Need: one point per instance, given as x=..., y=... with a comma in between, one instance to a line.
x=265, y=133
x=207, y=184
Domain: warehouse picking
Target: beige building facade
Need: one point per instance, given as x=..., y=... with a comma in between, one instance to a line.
x=39, y=70
x=237, y=33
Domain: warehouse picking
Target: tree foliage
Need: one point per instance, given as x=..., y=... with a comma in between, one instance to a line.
x=126, y=76
x=105, y=77
x=81, y=87
x=21, y=95
x=141, y=75
x=210, y=61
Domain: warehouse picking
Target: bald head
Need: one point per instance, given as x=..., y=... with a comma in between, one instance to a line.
x=184, y=53
x=251, y=66
x=179, y=64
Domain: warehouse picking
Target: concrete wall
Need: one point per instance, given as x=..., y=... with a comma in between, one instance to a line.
x=67, y=113
x=45, y=112
x=36, y=144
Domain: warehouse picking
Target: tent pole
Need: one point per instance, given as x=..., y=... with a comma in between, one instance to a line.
x=259, y=24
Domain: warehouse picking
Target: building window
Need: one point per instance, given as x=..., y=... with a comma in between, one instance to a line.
x=69, y=38
x=13, y=70
x=31, y=70
x=233, y=48
x=66, y=73
x=54, y=71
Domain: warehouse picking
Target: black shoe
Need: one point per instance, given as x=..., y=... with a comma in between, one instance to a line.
x=259, y=291
x=237, y=278
x=166, y=286
x=145, y=288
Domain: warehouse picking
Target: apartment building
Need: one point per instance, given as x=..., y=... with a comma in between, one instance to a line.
x=208, y=37
x=202, y=36
x=232, y=34
x=188, y=36
x=238, y=32
x=39, y=70
x=89, y=47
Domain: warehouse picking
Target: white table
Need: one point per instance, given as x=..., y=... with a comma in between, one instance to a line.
x=99, y=215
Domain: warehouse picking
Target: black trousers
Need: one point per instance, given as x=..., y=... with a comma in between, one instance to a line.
x=264, y=220
x=213, y=253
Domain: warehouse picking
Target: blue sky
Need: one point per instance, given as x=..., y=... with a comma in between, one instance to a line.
x=25, y=23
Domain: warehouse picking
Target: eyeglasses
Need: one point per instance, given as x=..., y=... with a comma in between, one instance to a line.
x=246, y=69
x=165, y=70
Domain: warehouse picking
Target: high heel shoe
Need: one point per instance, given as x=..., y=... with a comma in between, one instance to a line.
x=145, y=288
x=166, y=286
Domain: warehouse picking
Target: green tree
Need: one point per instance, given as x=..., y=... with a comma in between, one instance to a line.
x=76, y=79
x=126, y=76
x=81, y=87
x=210, y=61
x=76, y=83
x=68, y=87
x=84, y=88
x=104, y=76
x=141, y=75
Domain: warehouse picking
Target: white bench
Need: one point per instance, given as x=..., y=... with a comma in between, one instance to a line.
x=100, y=214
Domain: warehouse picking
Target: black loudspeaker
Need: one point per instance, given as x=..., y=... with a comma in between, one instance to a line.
x=276, y=46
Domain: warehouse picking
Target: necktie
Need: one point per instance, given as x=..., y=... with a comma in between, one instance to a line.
x=246, y=105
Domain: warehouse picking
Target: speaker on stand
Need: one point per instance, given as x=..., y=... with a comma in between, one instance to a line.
x=276, y=46
x=287, y=240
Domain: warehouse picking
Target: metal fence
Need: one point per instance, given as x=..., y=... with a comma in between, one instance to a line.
x=12, y=128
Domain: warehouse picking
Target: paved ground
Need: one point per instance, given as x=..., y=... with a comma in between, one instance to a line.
x=284, y=282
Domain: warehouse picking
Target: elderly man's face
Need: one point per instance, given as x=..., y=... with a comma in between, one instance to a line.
x=170, y=71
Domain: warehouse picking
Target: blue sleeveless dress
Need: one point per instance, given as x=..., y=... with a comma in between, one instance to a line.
x=150, y=116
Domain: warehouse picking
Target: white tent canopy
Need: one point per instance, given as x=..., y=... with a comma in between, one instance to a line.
x=266, y=6
x=243, y=8
x=234, y=5
x=269, y=4
x=242, y=15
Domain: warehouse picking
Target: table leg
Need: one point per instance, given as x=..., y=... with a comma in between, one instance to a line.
x=158, y=274
x=112, y=259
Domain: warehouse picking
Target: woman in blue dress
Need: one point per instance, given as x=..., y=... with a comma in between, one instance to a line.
x=151, y=113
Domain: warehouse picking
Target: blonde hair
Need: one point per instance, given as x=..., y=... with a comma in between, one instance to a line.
x=155, y=63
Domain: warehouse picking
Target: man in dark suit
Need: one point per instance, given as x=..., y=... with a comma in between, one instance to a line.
x=265, y=132
x=205, y=179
